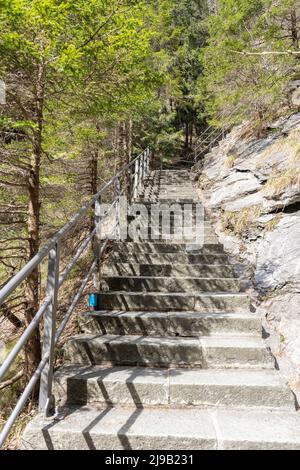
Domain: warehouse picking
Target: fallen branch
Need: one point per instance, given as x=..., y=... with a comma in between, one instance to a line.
x=288, y=52
x=9, y=314
x=11, y=381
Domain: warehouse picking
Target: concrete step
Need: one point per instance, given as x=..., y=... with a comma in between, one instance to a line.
x=172, y=187
x=207, y=352
x=89, y=428
x=134, y=351
x=192, y=235
x=150, y=227
x=146, y=386
x=155, y=194
x=168, y=258
x=171, y=270
x=236, y=352
x=206, y=303
x=156, y=237
x=169, y=200
x=168, y=284
x=163, y=192
x=191, y=324
x=168, y=248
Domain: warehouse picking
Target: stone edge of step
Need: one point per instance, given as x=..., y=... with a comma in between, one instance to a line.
x=155, y=430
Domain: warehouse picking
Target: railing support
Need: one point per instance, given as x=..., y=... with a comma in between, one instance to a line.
x=97, y=244
x=143, y=168
x=145, y=163
x=140, y=171
x=148, y=160
x=46, y=398
x=118, y=208
x=136, y=180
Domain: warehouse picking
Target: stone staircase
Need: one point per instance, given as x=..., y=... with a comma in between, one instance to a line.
x=175, y=358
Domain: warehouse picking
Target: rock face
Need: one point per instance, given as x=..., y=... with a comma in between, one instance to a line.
x=252, y=187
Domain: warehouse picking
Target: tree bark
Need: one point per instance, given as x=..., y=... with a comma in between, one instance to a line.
x=33, y=346
x=294, y=29
x=8, y=313
x=128, y=151
x=191, y=134
x=93, y=180
x=187, y=134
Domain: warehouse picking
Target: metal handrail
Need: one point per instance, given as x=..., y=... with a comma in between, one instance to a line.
x=211, y=139
x=48, y=307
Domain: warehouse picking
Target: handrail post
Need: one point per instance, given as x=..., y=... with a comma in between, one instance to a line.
x=46, y=397
x=142, y=169
x=118, y=208
x=145, y=163
x=136, y=180
x=97, y=242
x=140, y=176
x=148, y=160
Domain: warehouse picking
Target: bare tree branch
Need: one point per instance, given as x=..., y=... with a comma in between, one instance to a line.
x=287, y=52
x=11, y=381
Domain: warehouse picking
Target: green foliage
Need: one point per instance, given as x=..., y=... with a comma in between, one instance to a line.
x=238, y=86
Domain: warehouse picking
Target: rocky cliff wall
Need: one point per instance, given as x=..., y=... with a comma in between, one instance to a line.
x=252, y=187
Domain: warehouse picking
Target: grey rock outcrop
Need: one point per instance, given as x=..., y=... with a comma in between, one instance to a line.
x=252, y=187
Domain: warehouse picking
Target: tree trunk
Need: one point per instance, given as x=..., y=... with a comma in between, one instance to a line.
x=93, y=180
x=191, y=134
x=294, y=30
x=187, y=134
x=129, y=141
x=33, y=346
x=8, y=313
x=128, y=150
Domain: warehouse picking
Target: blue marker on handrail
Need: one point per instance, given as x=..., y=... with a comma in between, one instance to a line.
x=94, y=301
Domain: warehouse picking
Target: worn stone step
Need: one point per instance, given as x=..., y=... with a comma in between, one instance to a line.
x=134, y=351
x=168, y=284
x=156, y=237
x=172, y=186
x=172, y=212
x=169, y=323
x=157, y=226
x=206, y=303
x=124, y=428
x=168, y=258
x=177, y=195
x=239, y=388
x=163, y=247
x=191, y=235
x=169, y=237
x=89, y=428
x=163, y=192
x=172, y=270
x=239, y=351
x=170, y=200
x=147, y=386
x=207, y=352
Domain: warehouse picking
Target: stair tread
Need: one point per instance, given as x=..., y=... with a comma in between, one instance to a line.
x=232, y=341
x=145, y=313
x=181, y=294
x=247, y=377
x=132, y=428
x=200, y=265
x=134, y=339
x=221, y=341
x=202, y=278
